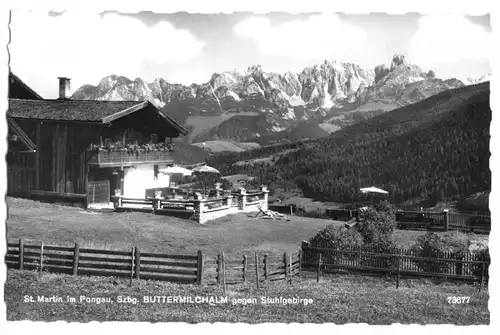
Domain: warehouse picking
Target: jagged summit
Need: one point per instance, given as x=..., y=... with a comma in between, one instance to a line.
x=254, y=69
x=474, y=81
x=381, y=71
x=397, y=60
x=326, y=85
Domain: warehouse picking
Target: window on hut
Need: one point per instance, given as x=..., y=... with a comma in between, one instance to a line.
x=153, y=138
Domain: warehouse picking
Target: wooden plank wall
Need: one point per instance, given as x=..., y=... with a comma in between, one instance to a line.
x=20, y=179
x=62, y=157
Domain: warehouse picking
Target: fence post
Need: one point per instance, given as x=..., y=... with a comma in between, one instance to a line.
x=219, y=268
x=21, y=254
x=132, y=254
x=291, y=274
x=482, y=277
x=285, y=257
x=300, y=263
x=459, y=265
x=398, y=273
x=359, y=256
x=41, y=258
x=242, y=199
x=223, y=273
x=199, y=273
x=319, y=269
x=76, y=256
x=257, y=268
x=446, y=219
x=156, y=204
x=265, y=267
x=137, y=263
x=245, y=264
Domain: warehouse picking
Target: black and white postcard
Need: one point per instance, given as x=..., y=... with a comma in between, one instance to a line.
x=228, y=164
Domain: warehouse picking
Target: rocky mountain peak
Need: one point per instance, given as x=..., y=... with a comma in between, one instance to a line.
x=278, y=101
x=254, y=69
x=381, y=71
x=474, y=81
x=113, y=80
x=397, y=60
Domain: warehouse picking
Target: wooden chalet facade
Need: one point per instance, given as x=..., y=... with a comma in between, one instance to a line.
x=21, y=148
x=88, y=148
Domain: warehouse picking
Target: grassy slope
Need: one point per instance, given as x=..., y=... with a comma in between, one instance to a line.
x=226, y=145
x=303, y=130
x=201, y=124
x=188, y=154
x=335, y=299
x=234, y=234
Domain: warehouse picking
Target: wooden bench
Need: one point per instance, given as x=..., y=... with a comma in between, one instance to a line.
x=174, y=206
x=135, y=202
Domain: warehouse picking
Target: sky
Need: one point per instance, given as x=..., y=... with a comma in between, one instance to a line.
x=188, y=48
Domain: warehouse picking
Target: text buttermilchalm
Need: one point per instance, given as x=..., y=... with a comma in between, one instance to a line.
x=211, y=300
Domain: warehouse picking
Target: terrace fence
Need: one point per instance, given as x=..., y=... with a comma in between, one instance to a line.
x=200, y=209
x=257, y=268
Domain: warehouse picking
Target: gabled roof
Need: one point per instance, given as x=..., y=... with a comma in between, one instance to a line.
x=20, y=134
x=92, y=111
x=30, y=93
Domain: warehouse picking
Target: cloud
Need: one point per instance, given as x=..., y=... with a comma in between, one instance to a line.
x=87, y=47
x=449, y=38
x=318, y=37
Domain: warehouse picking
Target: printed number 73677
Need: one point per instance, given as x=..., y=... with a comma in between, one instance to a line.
x=458, y=300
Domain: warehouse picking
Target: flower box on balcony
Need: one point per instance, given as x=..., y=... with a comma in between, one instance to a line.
x=125, y=157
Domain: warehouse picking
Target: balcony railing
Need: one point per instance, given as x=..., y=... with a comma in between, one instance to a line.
x=104, y=157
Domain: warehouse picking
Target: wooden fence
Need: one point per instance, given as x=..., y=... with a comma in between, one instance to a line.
x=95, y=262
x=256, y=268
x=399, y=262
x=135, y=264
x=476, y=223
x=467, y=222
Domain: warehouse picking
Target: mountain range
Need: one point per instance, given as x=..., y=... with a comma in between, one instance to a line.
x=435, y=149
x=267, y=108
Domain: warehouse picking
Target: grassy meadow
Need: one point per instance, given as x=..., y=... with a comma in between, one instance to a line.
x=234, y=234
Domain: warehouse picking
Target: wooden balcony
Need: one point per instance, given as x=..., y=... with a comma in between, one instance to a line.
x=105, y=158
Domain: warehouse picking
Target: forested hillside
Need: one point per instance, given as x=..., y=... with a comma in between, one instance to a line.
x=436, y=148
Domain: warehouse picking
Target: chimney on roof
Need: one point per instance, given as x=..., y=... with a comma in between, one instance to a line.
x=64, y=87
